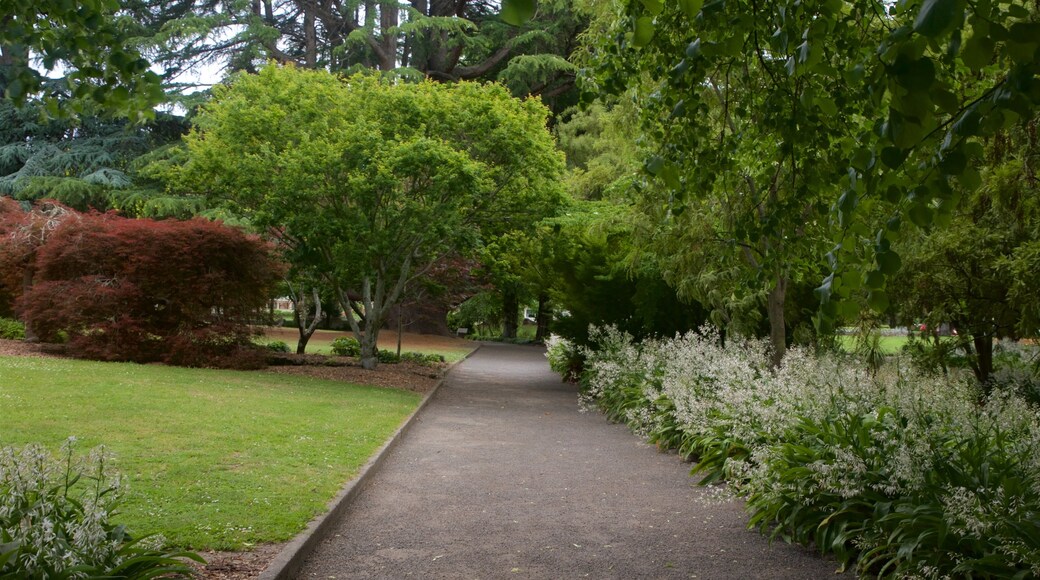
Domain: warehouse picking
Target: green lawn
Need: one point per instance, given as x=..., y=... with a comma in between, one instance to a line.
x=890, y=345
x=215, y=459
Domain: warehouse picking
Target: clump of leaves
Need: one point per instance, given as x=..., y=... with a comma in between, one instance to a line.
x=346, y=346
x=422, y=358
x=54, y=520
x=11, y=329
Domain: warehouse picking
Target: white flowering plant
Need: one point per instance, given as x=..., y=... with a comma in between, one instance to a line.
x=896, y=473
x=55, y=521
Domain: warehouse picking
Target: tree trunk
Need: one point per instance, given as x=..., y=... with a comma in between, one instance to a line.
x=984, y=357
x=387, y=22
x=369, y=340
x=302, y=315
x=543, y=318
x=310, y=56
x=510, y=312
x=777, y=329
x=301, y=343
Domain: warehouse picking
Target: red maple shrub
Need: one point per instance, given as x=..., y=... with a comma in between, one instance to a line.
x=22, y=232
x=181, y=292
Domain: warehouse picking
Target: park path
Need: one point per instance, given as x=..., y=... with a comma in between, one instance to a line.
x=503, y=477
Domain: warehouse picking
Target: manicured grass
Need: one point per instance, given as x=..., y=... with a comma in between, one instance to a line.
x=215, y=459
x=890, y=345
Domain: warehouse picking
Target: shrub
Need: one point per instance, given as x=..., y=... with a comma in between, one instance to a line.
x=275, y=346
x=11, y=329
x=387, y=356
x=54, y=521
x=897, y=473
x=346, y=346
x=144, y=290
x=421, y=358
x=564, y=357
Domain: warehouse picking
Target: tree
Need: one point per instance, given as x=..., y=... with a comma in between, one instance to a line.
x=969, y=273
x=141, y=290
x=858, y=103
x=23, y=234
x=86, y=39
x=371, y=182
x=91, y=161
x=743, y=153
x=440, y=40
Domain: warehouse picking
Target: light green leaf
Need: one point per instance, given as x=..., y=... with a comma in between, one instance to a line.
x=644, y=31
x=878, y=300
x=517, y=12
x=691, y=8
x=654, y=7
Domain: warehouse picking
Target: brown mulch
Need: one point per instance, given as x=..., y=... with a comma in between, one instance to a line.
x=237, y=565
x=405, y=375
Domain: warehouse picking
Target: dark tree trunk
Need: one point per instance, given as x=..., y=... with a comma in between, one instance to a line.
x=983, y=367
x=310, y=37
x=777, y=324
x=306, y=323
x=543, y=318
x=510, y=312
x=388, y=20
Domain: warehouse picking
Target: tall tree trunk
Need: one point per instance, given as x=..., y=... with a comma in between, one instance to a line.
x=510, y=312
x=310, y=57
x=304, y=322
x=388, y=20
x=777, y=326
x=543, y=318
x=983, y=367
x=369, y=349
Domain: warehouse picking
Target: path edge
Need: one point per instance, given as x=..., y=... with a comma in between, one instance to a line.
x=287, y=564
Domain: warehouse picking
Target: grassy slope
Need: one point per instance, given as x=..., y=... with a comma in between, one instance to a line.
x=216, y=459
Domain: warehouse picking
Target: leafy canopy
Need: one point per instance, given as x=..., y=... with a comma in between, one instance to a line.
x=370, y=182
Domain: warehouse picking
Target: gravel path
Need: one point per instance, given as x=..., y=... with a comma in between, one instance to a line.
x=503, y=477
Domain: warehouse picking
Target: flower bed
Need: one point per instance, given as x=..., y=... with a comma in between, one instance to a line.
x=896, y=474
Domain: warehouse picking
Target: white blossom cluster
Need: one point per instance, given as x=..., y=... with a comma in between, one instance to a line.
x=823, y=430
x=55, y=510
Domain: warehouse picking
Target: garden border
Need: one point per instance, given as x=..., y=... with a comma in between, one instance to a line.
x=290, y=559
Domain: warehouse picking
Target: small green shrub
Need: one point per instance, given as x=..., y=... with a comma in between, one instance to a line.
x=346, y=346
x=275, y=346
x=54, y=522
x=11, y=329
x=387, y=357
x=421, y=358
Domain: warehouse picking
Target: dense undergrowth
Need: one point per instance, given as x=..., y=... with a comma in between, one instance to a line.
x=894, y=472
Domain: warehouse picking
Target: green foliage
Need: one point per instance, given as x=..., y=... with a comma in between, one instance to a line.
x=590, y=244
x=387, y=356
x=90, y=162
x=894, y=473
x=346, y=346
x=11, y=329
x=275, y=346
x=371, y=182
x=794, y=107
x=86, y=40
x=55, y=520
x=421, y=358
